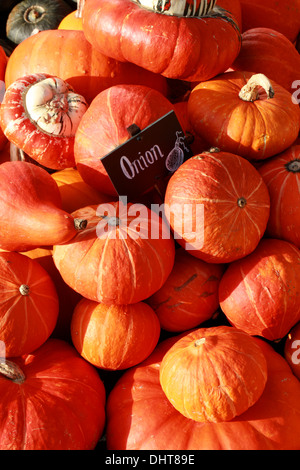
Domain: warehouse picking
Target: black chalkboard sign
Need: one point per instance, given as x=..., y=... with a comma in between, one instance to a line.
x=147, y=156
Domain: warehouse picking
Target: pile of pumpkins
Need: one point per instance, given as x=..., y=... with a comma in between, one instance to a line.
x=113, y=338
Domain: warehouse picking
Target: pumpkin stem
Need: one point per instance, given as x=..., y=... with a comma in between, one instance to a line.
x=293, y=166
x=249, y=92
x=80, y=224
x=198, y=342
x=10, y=370
x=24, y=289
x=241, y=202
x=80, y=6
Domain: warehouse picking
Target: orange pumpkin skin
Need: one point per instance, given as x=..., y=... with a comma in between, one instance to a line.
x=64, y=400
x=260, y=293
x=75, y=193
x=36, y=219
x=69, y=55
x=256, y=129
x=114, y=337
x=213, y=374
x=292, y=349
x=140, y=417
x=267, y=51
x=68, y=298
x=270, y=14
x=104, y=127
x=189, y=296
x=281, y=174
x=235, y=203
x=117, y=259
x=175, y=47
x=29, y=304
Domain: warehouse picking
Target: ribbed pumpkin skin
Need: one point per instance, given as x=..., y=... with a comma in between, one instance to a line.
x=114, y=337
x=36, y=218
x=176, y=47
x=104, y=127
x=252, y=129
x=122, y=265
x=282, y=16
x=140, y=417
x=235, y=200
x=64, y=399
x=213, y=374
x=267, y=51
x=281, y=174
x=68, y=298
x=71, y=57
x=292, y=349
x=27, y=316
x=190, y=294
x=260, y=294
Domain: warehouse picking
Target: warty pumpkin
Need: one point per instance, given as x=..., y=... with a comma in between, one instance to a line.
x=217, y=205
x=122, y=257
x=244, y=113
x=114, y=337
x=260, y=293
x=140, y=416
x=29, y=304
x=40, y=114
x=30, y=209
x=281, y=174
x=62, y=394
x=177, y=39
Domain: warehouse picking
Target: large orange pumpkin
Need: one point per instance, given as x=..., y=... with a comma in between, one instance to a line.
x=189, y=296
x=29, y=304
x=244, y=113
x=68, y=55
x=140, y=416
x=114, y=337
x=63, y=396
x=123, y=256
x=281, y=16
x=213, y=374
x=176, y=46
x=281, y=174
x=260, y=293
x=218, y=206
x=267, y=51
x=105, y=126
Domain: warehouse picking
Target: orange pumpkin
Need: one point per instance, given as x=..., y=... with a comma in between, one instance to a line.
x=281, y=174
x=213, y=374
x=260, y=293
x=122, y=257
x=244, y=113
x=114, y=337
x=62, y=394
x=29, y=304
x=68, y=55
x=189, y=296
x=218, y=206
x=71, y=21
x=75, y=193
x=140, y=416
